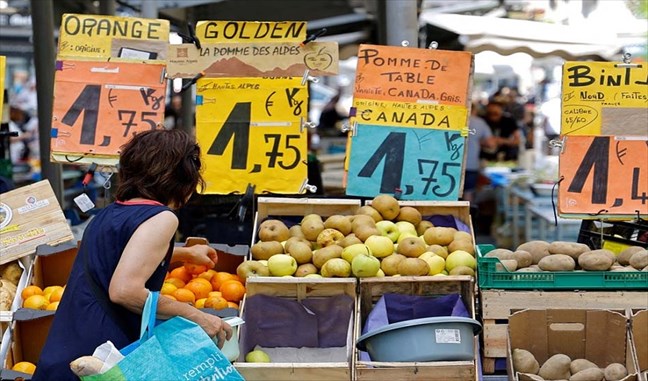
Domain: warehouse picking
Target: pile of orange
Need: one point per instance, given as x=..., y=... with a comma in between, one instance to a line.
x=42, y=299
x=203, y=288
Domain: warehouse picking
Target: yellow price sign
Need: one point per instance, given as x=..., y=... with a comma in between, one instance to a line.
x=98, y=37
x=604, y=98
x=250, y=131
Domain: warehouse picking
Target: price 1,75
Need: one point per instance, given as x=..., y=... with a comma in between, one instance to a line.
x=422, y=164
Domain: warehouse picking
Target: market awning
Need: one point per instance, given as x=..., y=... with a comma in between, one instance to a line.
x=508, y=36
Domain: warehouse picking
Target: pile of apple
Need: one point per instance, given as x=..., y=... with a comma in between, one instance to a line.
x=381, y=239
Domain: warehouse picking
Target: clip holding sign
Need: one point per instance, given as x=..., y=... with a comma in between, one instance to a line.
x=308, y=78
x=346, y=127
x=558, y=143
x=305, y=186
x=433, y=45
x=303, y=123
x=313, y=36
x=627, y=61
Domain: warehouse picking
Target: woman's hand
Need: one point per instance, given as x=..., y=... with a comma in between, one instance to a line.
x=197, y=254
x=215, y=327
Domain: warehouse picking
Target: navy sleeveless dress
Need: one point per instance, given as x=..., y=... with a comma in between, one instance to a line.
x=81, y=322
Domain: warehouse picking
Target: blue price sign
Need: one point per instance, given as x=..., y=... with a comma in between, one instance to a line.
x=422, y=164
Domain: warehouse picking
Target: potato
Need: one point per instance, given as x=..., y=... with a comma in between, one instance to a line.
x=524, y=361
x=572, y=249
x=86, y=366
x=537, y=249
x=615, y=372
x=596, y=260
x=581, y=364
x=624, y=257
x=12, y=273
x=556, y=368
x=529, y=269
x=506, y=265
x=557, y=262
x=523, y=258
x=500, y=254
x=590, y=374
x=639, y=260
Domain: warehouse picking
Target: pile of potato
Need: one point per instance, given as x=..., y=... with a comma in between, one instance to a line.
x=561, y=367
x=9, y=276
x=537, y=256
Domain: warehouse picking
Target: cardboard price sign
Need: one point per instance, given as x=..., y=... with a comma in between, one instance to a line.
x=403, y=74
x=99, y=106
x=250, y=133
x=270, y=59
x=604, y=175
x=415, y=115
x=395, y=159
x=98, y=37
x=600, y=98
x=30, y=216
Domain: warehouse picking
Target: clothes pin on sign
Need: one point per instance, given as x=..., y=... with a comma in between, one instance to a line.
x=307, y=187
x=308, y=78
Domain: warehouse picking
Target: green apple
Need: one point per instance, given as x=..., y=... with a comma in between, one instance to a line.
x=460, y=258
x=440, y=274
x=336, y=267
x=437, y=263
x=257, y=356
x=364, y=265
x=282, y=264
x=313, y=276
x=380, y=273
x=388, y=229
x=350, y=252
x=406, y=226
x=380, y=246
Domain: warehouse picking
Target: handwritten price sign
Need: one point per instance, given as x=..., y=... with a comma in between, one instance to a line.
x=604, y=175
x=424, y=164
x=99, y=106
x=415, y=115
x=250, y=132
x=600, y=98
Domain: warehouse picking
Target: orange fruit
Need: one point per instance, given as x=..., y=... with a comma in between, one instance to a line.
x=181, y=273
x=24, y=367
x=195, y=269
x=200, y=303
x=29, y=291
x=168, y=288
x=216, y=303
x=199, y=289
x=201, y=280
x=232, y=290
x=220, y=277
x=37, y=302
x=169, y=296
x=51, y=290
x=179, y=283
x=52, y=306
x=184, y=295
x=56, y=295
x=207, y=274
x=216, y=293
x=232, y=305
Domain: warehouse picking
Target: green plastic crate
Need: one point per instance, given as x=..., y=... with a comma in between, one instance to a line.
x=490, y=278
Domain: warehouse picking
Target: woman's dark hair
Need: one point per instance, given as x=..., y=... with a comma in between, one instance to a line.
x=160, y=165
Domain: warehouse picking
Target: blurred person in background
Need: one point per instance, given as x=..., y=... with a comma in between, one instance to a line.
x=330, y=118
x=506, y=132
x=480, y=138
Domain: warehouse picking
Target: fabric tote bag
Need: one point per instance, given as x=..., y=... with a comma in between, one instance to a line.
x=177, y=349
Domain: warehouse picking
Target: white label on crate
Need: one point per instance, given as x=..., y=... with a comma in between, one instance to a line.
x=448, y=336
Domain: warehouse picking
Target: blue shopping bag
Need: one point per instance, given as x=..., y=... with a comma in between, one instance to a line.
x=176, y=349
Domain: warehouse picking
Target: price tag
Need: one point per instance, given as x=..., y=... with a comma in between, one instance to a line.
x=250, y=133
x=601, y=98
x=413, y=75
x=423, y=164
x=604, y=175
x=99, y=106
x=101, y=37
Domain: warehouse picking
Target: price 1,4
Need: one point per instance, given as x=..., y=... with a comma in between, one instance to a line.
x=421, y=164
x=604, y=174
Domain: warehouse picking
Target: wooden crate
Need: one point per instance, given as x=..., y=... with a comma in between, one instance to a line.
x=498, y=305
x=371, y=289
x=299, y=289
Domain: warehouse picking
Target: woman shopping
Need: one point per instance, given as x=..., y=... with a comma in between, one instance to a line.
x=126, y=251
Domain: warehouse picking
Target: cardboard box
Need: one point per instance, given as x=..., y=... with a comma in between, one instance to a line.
x=25, y=341
x=600, y=336
x=639, y=338
x=53, y=264
x=371, y=289
x=318, y=368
